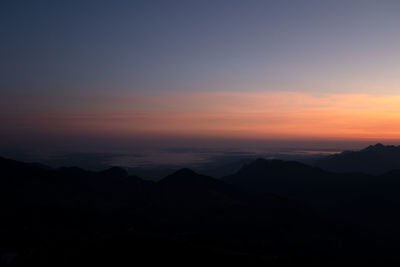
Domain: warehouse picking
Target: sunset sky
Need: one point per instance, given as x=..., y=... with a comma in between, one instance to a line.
x=165, y=70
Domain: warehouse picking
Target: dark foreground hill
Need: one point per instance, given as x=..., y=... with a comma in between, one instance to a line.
x=270, y=213
x=372, y=202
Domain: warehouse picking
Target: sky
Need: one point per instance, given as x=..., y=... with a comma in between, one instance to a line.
x=116, y=72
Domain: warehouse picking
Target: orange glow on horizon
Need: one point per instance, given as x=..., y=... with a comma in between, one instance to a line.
x=236, y=115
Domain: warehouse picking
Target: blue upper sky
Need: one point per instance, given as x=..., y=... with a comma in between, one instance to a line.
x=75, y=47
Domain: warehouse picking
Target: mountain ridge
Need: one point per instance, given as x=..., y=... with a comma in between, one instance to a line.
x=374, y=159
x=268, y=207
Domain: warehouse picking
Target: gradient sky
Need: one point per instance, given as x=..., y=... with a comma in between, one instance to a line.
x=273, y=70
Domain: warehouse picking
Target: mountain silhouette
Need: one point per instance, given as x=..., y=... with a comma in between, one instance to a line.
x=185, y=185
x=375, y=159
x=296, y=180
x=270, y=212
x=262, y=175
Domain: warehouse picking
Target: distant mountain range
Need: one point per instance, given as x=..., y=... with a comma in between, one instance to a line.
x=269, y=212
x=376, y=159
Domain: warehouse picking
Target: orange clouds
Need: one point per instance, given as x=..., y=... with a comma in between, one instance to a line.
x=231, y=114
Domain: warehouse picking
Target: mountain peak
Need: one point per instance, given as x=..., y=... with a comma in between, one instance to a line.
x=261, y=164
x=374, y=159
x=182, y=176
x=184, y=172
x=265, y=175
x=115, y=172
x=186, y=178
x=374, y=147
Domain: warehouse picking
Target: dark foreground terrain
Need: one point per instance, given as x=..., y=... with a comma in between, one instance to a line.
x=269, y=213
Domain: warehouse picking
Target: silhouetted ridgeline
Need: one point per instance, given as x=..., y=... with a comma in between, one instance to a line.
x=376, y=159
x=270, y=212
